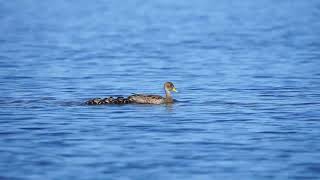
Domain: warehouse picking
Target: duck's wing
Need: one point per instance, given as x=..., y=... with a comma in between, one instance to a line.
x=146, y=99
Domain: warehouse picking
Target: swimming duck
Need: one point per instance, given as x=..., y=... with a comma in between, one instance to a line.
x=139, y=98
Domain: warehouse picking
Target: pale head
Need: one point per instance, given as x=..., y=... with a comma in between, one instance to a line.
x=168, y=86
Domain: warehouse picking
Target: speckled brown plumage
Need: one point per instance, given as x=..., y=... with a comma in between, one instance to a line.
x=138, y=98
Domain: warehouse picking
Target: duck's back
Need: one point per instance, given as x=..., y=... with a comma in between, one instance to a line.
x=146, y=99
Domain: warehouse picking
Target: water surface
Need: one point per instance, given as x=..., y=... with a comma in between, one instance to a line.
x=247, y=72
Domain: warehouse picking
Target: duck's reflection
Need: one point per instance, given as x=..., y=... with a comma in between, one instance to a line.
x=169, y=107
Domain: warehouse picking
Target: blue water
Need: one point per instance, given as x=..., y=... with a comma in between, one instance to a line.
x=248, y=73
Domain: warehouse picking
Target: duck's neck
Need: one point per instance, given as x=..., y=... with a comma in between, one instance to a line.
x=168, y=95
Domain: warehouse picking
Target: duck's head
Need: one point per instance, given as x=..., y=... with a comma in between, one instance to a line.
x=168, y=86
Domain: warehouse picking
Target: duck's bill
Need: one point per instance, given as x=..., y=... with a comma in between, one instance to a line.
x=174, y=90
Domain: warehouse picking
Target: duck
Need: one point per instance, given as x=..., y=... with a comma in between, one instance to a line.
x=139, y=98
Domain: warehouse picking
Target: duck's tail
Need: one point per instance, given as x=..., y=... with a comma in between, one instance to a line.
x=109, y=100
